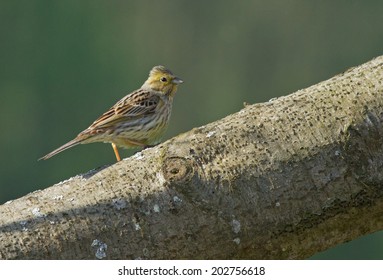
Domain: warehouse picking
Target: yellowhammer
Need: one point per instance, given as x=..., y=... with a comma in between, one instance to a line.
x=137, y=120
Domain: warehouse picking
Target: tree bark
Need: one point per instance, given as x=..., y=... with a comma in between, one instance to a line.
x=283, y=179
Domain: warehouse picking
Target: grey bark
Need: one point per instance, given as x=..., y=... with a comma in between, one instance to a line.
x=283, y=179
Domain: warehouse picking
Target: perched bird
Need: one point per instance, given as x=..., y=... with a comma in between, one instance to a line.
x=137, y=120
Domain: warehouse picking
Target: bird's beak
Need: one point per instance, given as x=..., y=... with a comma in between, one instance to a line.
x=177, y=81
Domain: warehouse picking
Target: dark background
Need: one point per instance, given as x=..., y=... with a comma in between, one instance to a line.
x=63, y=63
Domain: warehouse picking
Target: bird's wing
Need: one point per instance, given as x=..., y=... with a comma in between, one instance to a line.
x=135, y=105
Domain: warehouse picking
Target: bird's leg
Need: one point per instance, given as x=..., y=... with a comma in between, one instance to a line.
x=116, y=152
x=128, y=143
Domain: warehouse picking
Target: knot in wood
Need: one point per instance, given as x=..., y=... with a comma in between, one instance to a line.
x=177, y=169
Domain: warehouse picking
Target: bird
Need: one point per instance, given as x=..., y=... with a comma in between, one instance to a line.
x=137, y=120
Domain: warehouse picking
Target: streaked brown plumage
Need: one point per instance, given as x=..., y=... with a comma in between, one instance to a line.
x=137, y=120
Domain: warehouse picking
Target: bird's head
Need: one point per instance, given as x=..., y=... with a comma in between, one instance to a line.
x=162, y=80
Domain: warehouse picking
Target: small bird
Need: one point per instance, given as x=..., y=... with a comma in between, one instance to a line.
x=137, y=120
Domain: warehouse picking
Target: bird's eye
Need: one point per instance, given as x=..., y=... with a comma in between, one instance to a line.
x=163, y=79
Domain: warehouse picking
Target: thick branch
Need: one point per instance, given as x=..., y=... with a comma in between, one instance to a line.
x=283, y=179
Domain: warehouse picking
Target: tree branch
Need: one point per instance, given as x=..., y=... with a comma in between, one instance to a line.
x=279, y=180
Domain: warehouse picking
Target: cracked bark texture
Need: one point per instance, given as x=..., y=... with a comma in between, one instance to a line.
x=283, y=179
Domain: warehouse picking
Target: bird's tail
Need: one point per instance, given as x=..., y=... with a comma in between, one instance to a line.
x=68, y=145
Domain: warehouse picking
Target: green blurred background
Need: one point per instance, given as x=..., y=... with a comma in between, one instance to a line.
x=63, y=63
